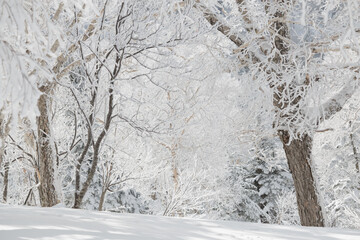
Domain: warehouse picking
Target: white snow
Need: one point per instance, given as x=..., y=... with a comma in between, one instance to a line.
x=18, y=222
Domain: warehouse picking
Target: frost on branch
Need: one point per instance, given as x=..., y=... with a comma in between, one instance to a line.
x=25, y=56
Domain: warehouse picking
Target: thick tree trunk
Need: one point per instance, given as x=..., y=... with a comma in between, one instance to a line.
x=298, y=154
x=47, y=192
x=298, y=151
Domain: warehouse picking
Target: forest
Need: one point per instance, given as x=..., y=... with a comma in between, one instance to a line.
x=240, y=110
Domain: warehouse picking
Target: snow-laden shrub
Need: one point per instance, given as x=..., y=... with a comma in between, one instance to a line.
x=127, y=200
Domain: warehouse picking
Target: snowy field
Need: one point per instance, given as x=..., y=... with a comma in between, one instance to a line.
x=61, y=223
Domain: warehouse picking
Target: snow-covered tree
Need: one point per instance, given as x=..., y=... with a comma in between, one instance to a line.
x=293, y=50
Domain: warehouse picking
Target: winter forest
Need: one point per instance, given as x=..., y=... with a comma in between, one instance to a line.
x=241, y=110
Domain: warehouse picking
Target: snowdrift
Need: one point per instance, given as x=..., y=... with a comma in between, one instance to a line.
x=17, y=222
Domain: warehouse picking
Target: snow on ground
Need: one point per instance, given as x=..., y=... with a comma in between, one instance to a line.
x=17, y=222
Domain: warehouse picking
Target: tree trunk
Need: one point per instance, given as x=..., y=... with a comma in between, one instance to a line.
x=6, y=181
x=47, y=190
x=77, y=186
x=4, y=131
x=102, y=199
x=298, y=154
x=298, y=151
x=77, y=200
x=356, y=155
x=79, y=196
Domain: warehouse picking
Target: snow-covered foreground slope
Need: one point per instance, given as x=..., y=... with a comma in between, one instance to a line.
x=60, y=223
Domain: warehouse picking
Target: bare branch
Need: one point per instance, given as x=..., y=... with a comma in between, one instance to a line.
x=221, y=27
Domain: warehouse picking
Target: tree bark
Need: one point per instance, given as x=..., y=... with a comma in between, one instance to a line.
x=298, y=154
x=355, y=152
x=298, y=151
x=77, y=200
x=102, y=199
x=6, y=181
x=4, y=131
x=47, y=192
x=80, y=195
x=2, y=136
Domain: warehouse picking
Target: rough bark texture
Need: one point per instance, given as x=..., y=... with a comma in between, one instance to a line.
x=298, y=151
x=298, y=154
x=47, y=190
